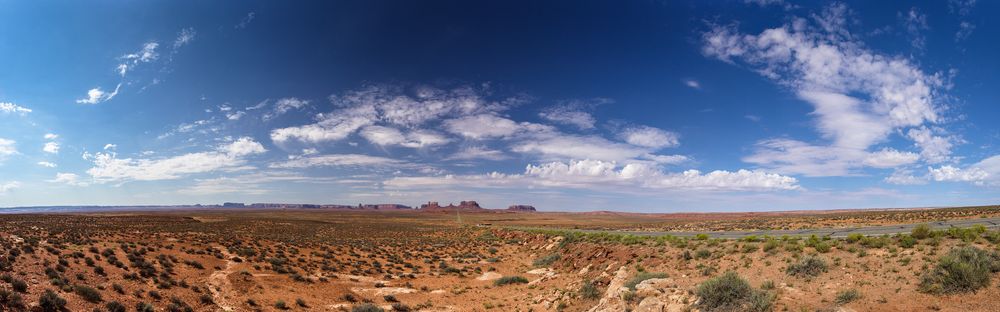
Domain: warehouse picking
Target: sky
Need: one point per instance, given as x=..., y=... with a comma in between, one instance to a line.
x=643, y=106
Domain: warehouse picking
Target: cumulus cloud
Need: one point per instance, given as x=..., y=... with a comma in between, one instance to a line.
x=574, y=112
x=934, y=149
x=9, y=186
x=46, y=164
x=68, y=179
x=284, y=105
x=96, y=95
x=231, y=156
x=949, y=173
x=7, y=148
x=649, y=137
x=11, y=108
x=859, y=96
x=890, y=158
x=607, y=176
x=337, y=160
x=477, y=152
x=391, y=106
x=51, y=147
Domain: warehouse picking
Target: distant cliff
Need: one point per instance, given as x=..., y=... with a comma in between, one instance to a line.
x=521, y=208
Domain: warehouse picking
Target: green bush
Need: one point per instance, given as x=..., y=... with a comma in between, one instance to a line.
x=730, y=292
x=822, y=247
x=589, y=291
x=921, y=231
x=807, y=266
x=854, y=238
x=88, y=293
x=847, y=296
x=510, y=280
x=546, y=260
x=907, y=241
x=642, y=276
x=366, y=307
x=963, y=269
x=115, y=306
x=51, y=302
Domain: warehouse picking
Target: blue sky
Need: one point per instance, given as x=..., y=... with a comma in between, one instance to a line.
x=650, y=106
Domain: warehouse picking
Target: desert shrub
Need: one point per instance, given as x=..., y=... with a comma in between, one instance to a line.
x=642, y=276
x=589, y=291
x=280, y=305
x=88, y=293
x=907, y=241
x=18, y=285
x=993, y=236
x=703, y=254
x=921, y=231
x=144, y=307
x=546, y=260
x=51, y=302
x=963, y=269
x=301, y=302
x=748, y=248
x=701, y=237
x=807, y=266
x=115, y=306
x=822, y=247
x=730, y=292
x=12, y=300
x=366, y=307
x=399, y=307
x=847, y=296
x=854, y=238
x=506, y=280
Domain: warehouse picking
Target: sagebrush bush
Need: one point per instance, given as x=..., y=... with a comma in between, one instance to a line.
x=963, y=269
x=510, y=280
x=589, y=291
x=546, y=260
x=847, y=296
x=366, y=307
x=730, y=292
x=921, y=231
x=808, y=266
x=88, y=293
x=51, y=302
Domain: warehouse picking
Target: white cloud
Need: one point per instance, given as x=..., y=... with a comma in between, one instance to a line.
x=68, y=179
x=145, y=55
x=7, y=148
x=607, y=176
x=482, y=126
x=379, y=135
x=235, y=115
x=11, y=108
x=245, y=21
x=477, y=152
x=890, y=158
x=390, y=106
x=905, y=178
x=51, y=136
x=232, y=156
x=915, y=23
x=284, y=105
x=691, y=83
x=649, y=137
x=9, y=186
x=578, y=147
x=337, y=160
x=96, y=95
x=109, y=146
x=570, y=116
x=184, y=37
x=46, y=164
x=953, y=174
x=859, y=96
x=51, y=147
x=934, y=149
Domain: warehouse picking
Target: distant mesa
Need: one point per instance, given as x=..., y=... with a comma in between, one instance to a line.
x=463, y=205
x=314, y=206
x=472, y=206
x=521, y=208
